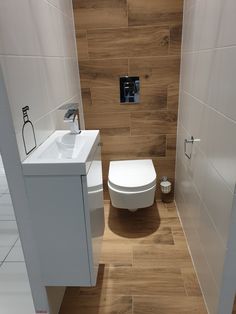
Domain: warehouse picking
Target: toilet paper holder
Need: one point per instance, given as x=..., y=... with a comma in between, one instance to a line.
x=191, y=141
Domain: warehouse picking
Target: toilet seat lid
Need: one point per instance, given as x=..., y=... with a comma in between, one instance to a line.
x=132, y=175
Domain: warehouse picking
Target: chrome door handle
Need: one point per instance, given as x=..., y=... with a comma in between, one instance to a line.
x=191, y=141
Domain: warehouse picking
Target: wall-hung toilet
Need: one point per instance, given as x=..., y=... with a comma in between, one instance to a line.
x=132, y=183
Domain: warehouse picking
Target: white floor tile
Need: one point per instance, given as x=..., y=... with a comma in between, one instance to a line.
x=16, y=255
x=15, y=294
x=3, y=184
x=8, y=233
x=6, y=208
x=4, y=250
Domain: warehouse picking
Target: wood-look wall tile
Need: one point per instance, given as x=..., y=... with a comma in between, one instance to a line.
x=128, y=42
x=155, y=12
x=102, y=73
x=153, y=122
x=100, y=14
x=82, y=44
x=109, y=123
x=165, y=166
x=108, y=100
x=171, y=145
x=155, y=70
x=87, y=99
x=167, y=305
x=129, y=147
x=173, y=96
x=175, y=39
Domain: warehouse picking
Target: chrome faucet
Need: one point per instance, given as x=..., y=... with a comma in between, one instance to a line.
x=72, y=118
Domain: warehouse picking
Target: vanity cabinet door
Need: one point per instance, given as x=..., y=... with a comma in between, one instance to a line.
x=94, y=212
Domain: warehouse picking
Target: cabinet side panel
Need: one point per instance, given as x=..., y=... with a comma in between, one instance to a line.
x=94, y=212
x=56, y=203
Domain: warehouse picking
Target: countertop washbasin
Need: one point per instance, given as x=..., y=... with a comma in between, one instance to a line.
x=63, y=153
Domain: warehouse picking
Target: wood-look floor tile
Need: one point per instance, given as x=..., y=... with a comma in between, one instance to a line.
x=161, y=256
x=143, y=263
x=138, y=281
x=168, y=305
x=141, y=41
x=97, y=304
x=116, y=253
x=160, y=236
x=191, y=282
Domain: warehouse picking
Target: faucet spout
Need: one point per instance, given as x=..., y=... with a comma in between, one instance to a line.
x=72, y=118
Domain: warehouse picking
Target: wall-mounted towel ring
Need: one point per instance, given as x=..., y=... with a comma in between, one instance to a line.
x=191, y=141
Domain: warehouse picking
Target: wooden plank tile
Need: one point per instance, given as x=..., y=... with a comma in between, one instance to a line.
x=162, y=235
x=173, y=96
x=175, y=39
x=97, y=304
x=153, y=122
x=116, y=253
x=100, y=14
x=129, y=42
x=86, y=97
x=128, y=147
x=155, y=12
x=155, y=70
x=102, y=73
x=138, y=281
x=190, y=282
x=108, y=100
x=82, y=44
x=168, y=305
x=171, y=145
x=156, y=281
x=109, y=123
x=161, y=256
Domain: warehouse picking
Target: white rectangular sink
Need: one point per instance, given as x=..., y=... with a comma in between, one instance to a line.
x=63, y=153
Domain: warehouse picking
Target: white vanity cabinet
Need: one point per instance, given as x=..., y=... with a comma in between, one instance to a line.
x=67, y=216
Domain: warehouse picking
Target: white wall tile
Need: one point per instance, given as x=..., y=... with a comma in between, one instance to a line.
x=222, y=92
x=205, y=184
x=227, y=24
x=222, y=146
x=26, y=85
x=17, y=32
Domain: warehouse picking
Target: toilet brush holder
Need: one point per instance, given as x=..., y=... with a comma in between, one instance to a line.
x=166, y=188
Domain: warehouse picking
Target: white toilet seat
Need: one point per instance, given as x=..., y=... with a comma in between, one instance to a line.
x=132, y=183
x=132, y=175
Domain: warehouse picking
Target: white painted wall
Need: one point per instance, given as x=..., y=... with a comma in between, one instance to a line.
x=205, y=184
x=39, y=61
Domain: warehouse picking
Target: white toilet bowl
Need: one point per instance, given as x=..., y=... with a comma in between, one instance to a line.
x=132, y=183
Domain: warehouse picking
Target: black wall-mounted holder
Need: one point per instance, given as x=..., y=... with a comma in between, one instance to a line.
x=28, y=133
x=129, y=89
